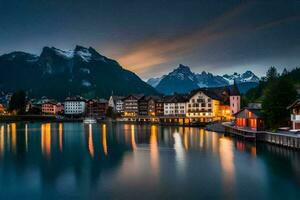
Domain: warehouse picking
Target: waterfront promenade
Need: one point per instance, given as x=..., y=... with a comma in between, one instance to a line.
x=286, y=138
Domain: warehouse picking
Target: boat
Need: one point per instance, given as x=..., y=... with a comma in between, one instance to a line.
x=89, y=120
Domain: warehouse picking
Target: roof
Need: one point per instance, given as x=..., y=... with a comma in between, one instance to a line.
x=50, y=102
x=116, y=98
x=219, y=93
x=256, y=111
x=136, y=96
x=294, y=104
x=77, y=98
x=176, y=98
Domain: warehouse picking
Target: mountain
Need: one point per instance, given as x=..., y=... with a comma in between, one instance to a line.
x=248, y=76
x=57, y=73
x=182, y=80
x=179, y=80
x=155, y=81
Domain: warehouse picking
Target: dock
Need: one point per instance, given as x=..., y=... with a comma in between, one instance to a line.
x=286, y=139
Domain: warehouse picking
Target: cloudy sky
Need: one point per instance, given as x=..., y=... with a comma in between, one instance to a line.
x=151, y=37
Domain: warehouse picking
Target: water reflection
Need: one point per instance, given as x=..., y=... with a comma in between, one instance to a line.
x=111, y=161
x=104, y=139
x=46, y=139
x=2, y=140
x=180, y=154
x=227, y=164
x=154, y=153
x=90, y=139
x=60, y=132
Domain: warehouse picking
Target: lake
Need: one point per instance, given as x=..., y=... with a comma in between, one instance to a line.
x=125, y=161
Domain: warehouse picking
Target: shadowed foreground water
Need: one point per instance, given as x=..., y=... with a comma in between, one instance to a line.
x=77, y=161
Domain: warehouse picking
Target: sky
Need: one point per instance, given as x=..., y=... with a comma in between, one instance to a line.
x=152, y=37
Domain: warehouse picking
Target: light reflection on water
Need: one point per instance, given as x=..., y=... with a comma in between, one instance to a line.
x=73, y=160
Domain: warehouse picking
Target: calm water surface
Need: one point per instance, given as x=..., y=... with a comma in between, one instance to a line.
x=77, y=161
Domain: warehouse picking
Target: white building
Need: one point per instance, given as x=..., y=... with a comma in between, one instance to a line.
x=295, y=114
x=175, y=105
x=117, y=103
x=199, y=105
x=74, y=106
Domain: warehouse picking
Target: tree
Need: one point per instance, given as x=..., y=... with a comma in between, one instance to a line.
x=284, y=72
x=17, y=102
x=272, y=74
x=110, y=112
x=278, y=94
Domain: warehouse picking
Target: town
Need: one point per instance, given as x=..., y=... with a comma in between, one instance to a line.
x=198, y=108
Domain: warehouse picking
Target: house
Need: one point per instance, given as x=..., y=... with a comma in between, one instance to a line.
x=116, y=102
x=175, y=105
x=150, y=106
x=159, y=106
x=155, y=106
x=2, y=109
x=49, y=108
x=103, y=106
x=212, y=104
x=249, y=118
x=52, y=108
x=131, y=106
x=143, y=106
x=200, y=105
x=74, y=106
x=60, y=108
x=295, y=114
x=96, y=107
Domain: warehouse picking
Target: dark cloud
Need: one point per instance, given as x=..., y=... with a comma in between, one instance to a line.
x=151, y=37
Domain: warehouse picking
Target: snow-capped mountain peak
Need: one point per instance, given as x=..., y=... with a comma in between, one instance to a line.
x=182, y=72
x=182, y=78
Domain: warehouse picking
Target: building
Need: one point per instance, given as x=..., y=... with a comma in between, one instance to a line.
x=49, y=108
x=213, y=104
x=131, y=106
x=116, y=102
x=200, y=106
x=74, y=106
x=103, y=106
x=175, y=105
x=249, y=118
x=92, y=108
x=295, y=114
x=234, y=99
x=2, y=109
x=155, y=106
x=143, y=106
x=60, y=108
x=96, y=107
x=52, y=108
x=159, y=106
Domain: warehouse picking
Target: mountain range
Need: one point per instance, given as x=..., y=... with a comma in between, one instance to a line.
x=183, y=80
x=57, y=73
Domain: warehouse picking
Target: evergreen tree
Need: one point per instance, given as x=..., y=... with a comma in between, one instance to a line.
x=17, y=102
x=284, y=72
x=278, y=94
x=272, y=74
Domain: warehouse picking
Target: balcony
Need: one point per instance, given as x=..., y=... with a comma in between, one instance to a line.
x=295, y=117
